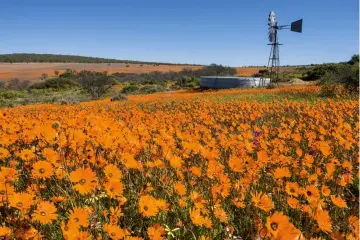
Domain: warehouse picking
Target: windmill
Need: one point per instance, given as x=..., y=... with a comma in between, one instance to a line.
x=274, y=58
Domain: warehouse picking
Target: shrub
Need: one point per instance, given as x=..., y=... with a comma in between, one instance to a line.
x=18, y=84
x=11, y=94
x=118, y=97
x=55, y=83
x=151, y=89
x=129, y=89
x=188, y=82
x=95, y=83
x=271, y=86
x=345, y=74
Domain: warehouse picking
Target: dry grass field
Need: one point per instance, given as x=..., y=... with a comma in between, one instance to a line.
x=33, y=71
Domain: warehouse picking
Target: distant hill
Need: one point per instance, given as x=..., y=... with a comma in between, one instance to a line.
x=34, y=57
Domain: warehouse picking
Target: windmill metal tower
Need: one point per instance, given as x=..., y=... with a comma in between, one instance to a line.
x=274, y=58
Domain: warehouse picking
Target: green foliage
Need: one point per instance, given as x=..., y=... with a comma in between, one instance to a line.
x=344, y=74
x=354, y=59
x=271, y=86
x=96, y=84
x=159, y=78
x=69, y=73
x=190, y=82
x=261, y=73
x=151, y=89
x=217, y=70
x=55, y=83
x=147, y=89
x=11, y=94
x=129, y=89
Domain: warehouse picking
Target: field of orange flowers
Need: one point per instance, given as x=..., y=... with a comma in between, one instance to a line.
x=182, y=165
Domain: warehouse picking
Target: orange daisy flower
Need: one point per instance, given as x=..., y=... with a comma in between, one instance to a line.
x=6, y=190
x=114, y=188
x=323, y=220
x=325, y=190
x=114, y=232
x=21, y=201
x=42, y=170
x=112, y=172
x=4, y=153
x=292, y=189
x=262, y=201
x=156, y=232
x=148, y=206
x=196, y=171
x=8, y=175
x=27, y=154
x=312, y=193
x=196, y=218
x=180, y=188
x=85, y=180
x=276, y=223
x=79, y=217
x=293, y=203
x=338, y=201
x=220, y=214
x=5, y=233
x=176, y=162
x=45, y=213
x=282, y=172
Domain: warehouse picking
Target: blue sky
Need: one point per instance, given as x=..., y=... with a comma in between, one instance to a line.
x=231, y=33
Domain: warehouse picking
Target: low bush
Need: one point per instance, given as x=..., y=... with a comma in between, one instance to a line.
x=346, y=75
x=151, y=89
x=55, y=83
x=188, y=82
x=129, y=89
x=17, y=84
x=271, y=86
x=11, y=94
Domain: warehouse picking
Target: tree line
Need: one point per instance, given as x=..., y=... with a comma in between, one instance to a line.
x=34, y=57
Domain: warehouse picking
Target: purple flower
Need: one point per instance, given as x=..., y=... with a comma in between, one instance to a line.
x=256, y=143
x=256, y=134
x=311, y=152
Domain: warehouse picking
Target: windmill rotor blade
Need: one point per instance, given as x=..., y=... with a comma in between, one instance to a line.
x=296, y=26
x=271, y=19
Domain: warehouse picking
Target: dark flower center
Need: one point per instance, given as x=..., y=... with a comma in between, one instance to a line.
x=76, y=219
x=43, y=213
x=274, y=226
x=113, y=234
x=308, y=193
x=2, y=192
x=19, y=204
x=146, y=208
x=110, y=174
x=82, y=181
x=41, y=170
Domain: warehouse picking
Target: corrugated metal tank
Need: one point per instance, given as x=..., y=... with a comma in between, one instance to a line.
x=232, y=82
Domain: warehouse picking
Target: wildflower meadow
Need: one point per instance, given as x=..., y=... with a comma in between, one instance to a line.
x=229, y=164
